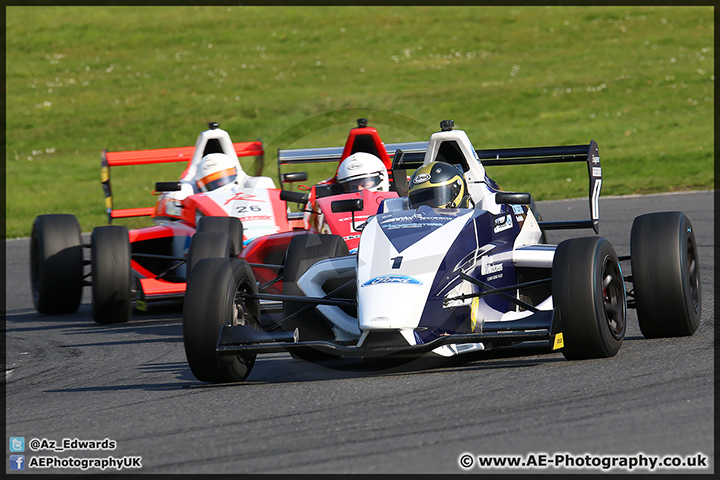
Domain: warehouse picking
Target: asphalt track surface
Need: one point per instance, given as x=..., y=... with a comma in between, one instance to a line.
x=68, y=378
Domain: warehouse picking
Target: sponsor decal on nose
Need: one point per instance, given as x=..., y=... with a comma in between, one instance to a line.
x=401, y=279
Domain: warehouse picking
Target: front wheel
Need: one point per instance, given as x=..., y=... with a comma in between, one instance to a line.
x=230, y=225
x=111, y=275
x=589, y=290
x=208, y=244
x=56, y=264
x=666, y=275
x=303, y=252
x=214, y=297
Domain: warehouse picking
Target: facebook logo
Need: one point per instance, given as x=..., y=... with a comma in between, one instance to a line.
x=17, y=444
x=17, y=462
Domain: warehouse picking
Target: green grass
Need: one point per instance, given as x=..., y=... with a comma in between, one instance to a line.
x=637, y=80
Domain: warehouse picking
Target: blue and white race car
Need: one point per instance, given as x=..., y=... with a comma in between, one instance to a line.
x=453, y=265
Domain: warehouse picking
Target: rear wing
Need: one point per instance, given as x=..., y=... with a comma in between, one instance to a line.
x=156, y=156
x=335, y=154
x=588, y=154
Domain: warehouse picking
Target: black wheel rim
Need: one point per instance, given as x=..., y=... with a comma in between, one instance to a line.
x=242, y=315
x=241, y=312
x=613, y=292
x=693, y=274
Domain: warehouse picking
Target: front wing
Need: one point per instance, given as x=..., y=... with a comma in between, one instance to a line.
x=541, y=326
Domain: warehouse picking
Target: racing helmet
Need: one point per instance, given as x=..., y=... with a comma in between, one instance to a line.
x=215, y=170
x=362, y=171
x=438, y=185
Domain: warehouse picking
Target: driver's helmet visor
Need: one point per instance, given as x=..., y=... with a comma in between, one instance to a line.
x=217, y=179
x=360, y=183
x=435, y=197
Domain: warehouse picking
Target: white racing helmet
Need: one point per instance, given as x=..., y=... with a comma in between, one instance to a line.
x=215, y=170
x=362, y=171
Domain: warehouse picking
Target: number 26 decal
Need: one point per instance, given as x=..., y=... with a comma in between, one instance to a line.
x=245, y=208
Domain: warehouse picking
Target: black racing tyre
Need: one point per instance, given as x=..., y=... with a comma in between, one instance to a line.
x=303, y=252
x=111, y=274
x=589, y=290
x=208, y=245
x=56, y=264
x=231, y=225
x=211, y=301
x=666, y=275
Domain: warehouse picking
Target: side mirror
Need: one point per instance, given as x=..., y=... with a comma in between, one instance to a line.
x=351, y=205
x=399, y=175
x=297, y=197
x=512, y=198
x=167, y=187
x=294, y=177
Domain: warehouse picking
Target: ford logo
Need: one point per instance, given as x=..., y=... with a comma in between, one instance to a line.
x=402, y=279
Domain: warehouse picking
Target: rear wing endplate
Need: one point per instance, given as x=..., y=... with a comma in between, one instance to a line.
x=588, y=154
x=156, y=156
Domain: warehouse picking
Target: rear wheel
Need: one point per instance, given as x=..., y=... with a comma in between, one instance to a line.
x=56, y=264
x=208, y=245
x=111, y=277
x=230, y=225
x=666, y=274
x=589, y=290
x=214, y=298
x=303, y=252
